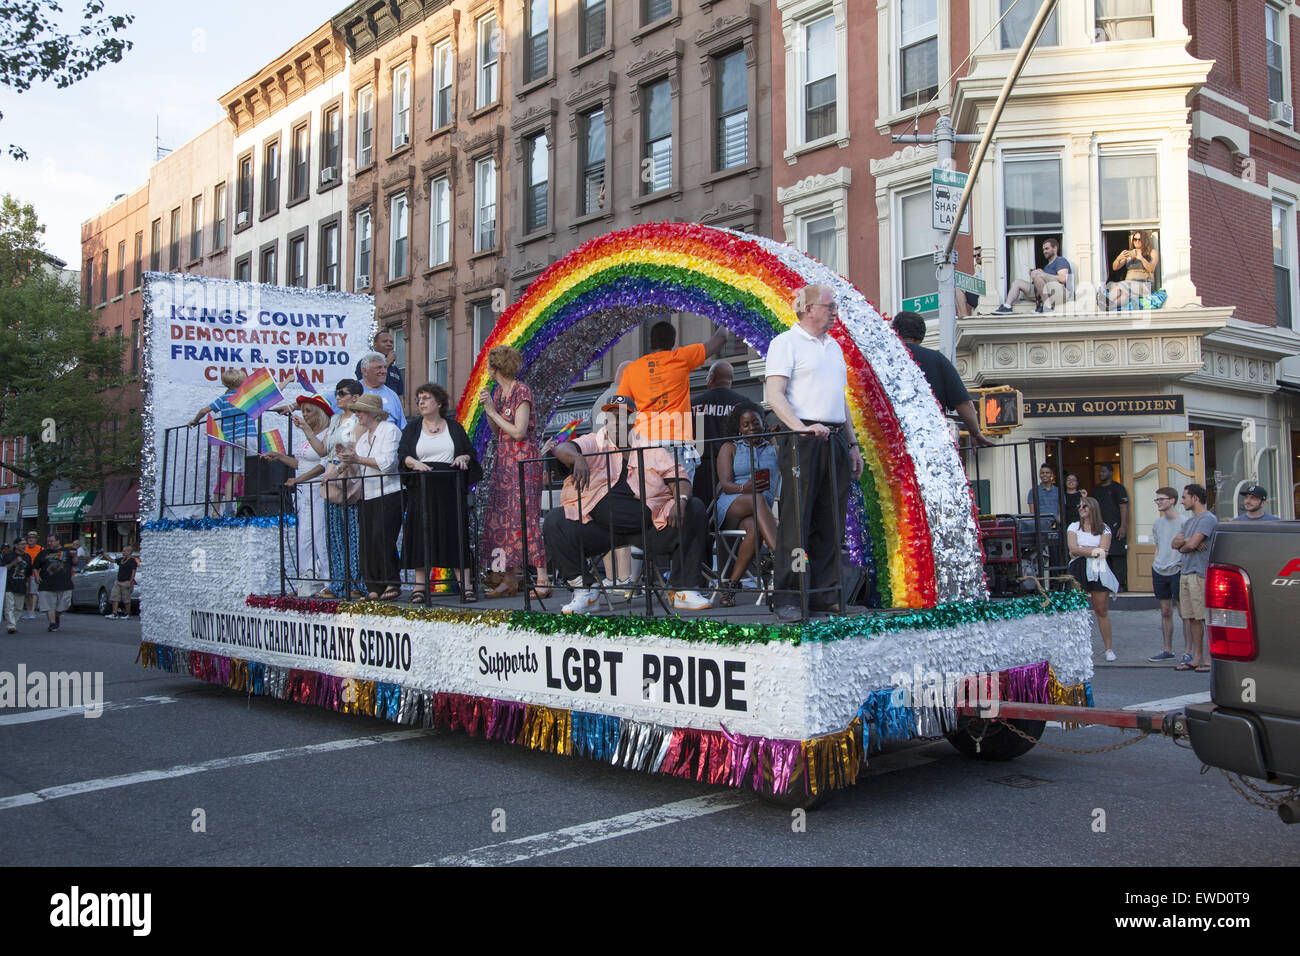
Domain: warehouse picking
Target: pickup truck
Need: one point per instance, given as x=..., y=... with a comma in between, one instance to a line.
x=1252, y=601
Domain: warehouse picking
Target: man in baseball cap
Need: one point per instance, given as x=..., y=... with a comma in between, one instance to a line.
x=1252, y=503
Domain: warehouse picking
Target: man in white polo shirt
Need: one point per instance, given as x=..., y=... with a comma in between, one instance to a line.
x=806, y=382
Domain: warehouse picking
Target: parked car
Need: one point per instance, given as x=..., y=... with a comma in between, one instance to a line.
x=93, y=587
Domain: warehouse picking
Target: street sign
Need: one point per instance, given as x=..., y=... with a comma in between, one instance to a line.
x=967, y=283
x=945, y=193
x=922, y=303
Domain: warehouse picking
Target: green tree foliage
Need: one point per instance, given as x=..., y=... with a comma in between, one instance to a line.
x=36, y=46
x=63, y=387
x=21, y=249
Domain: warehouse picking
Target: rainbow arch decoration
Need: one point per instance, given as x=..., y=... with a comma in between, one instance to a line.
x=911, y=514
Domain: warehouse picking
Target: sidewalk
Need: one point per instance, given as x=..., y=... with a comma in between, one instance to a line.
x=1136, y=634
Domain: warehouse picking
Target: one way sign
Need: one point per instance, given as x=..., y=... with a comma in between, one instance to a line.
x=945, y=193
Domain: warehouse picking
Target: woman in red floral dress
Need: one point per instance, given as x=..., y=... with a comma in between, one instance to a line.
x=512, y=418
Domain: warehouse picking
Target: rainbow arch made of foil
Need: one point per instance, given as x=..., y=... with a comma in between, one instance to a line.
x=910, y=514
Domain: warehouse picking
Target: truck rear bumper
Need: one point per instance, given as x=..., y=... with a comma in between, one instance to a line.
x=1245, y=743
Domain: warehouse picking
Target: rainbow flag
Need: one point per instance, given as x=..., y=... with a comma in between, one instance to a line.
x=567, y=432
x=273, y=441
x=257, y=394
x=217, y=435
x=305, y=382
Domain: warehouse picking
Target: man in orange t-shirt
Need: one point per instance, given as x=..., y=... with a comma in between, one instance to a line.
x=660, y=384
x=32, y=550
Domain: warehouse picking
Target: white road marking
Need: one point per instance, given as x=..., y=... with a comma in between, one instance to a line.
x=30, y=716
x=569, y=838
x=1172, y=703
x=185, y=770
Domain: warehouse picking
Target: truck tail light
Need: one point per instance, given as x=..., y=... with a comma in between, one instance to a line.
x=1230, y=614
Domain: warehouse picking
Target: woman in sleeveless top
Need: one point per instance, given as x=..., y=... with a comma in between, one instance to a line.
x=1139, y=262
x=1089, y=537
x=746, y=471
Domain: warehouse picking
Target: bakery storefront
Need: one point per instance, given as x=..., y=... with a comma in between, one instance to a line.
x=1195, y=398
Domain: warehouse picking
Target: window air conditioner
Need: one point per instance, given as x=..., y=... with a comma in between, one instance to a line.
x=363, y=282
x=401, y=140
x=329, y=174
x=242, y=219
x=1281, y=113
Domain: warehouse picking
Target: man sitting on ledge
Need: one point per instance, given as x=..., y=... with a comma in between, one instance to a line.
x=601, y=504
x=1050, y=284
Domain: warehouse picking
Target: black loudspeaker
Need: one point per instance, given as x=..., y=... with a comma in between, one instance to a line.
x=264, y=491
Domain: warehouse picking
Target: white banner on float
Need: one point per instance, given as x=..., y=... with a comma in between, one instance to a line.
x=696, y=678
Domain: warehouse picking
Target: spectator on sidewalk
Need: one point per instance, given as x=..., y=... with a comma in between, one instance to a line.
x=125, y=583
x=1073, y=494
x=1045, y=498
x=1113, y=498
x=1049, y=284
x=1193, y=542
x=1165, y=567
x=19, y=568
x=1088, y=538
x=1252, y=503
x=33, y=551
x=55, y=569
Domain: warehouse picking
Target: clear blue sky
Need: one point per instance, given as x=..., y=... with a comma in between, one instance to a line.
x=91, y=141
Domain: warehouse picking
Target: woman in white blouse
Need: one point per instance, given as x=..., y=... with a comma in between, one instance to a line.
x=375, y=455
x=1089, y=537
x=309, y=507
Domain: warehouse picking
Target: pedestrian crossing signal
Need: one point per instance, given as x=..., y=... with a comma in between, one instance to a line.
x=1001, y=409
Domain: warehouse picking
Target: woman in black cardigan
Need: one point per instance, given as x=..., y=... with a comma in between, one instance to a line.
x=436, y=532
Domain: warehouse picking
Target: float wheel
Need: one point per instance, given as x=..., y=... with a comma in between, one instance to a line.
x=992, y=740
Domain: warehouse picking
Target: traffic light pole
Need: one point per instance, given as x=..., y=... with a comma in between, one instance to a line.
x=944, y=136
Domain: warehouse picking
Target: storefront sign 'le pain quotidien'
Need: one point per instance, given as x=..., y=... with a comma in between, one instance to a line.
x=1049, y=407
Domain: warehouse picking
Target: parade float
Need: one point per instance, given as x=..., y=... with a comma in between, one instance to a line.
x=788, y=711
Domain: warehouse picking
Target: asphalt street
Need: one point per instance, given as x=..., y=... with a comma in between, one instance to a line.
x=277, y=783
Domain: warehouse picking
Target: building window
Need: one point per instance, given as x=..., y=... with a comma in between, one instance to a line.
x=331, y=147
x=820, y=64
x=88, y=283
x=155, y=245
x=484, y=321
x=438, y=350
x=398, y=236
x=815, y=214
x=652, y=10
x=271, y=178
x=1283, y=250
x=657, y=137
x=139, y=260
x=365, y=127
x=121, y=267
x=298, y=260
x=219, y=217
x=1016, y=23
x=818, y=240
x=485, y=204
x=488, y=48
x=196, y=228
x=1275, y=52
x=299, y=163
x=917, y=246
x=174, y=241
x=919, y=53
x=591, y=26
x=592, y=198
x=732, y=106
x=538, y=31
x=362, y=256
x=244, y=184
x=244, y=269
x=401, y=106
x=103, y=277
x=1129, y=201
x=538, y=171
x=1032, y=211
x=439, y=221
x=1122, y=20
x=442, y=76
x=135, y=346
x=267, y=275
x=329, y=255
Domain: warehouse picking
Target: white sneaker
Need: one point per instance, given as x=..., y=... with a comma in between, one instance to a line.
x=1110, y=655
x=690, y=601
x=584, y=599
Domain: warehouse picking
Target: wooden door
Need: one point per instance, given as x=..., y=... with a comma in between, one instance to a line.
x=1150, y=462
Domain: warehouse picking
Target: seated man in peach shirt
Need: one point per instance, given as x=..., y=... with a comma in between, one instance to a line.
x=602, y=508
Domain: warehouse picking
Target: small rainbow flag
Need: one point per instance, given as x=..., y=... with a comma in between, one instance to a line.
x=305, y=382
x=567, y=432
x=273, y=441
x=257, y=394
x=216, y=435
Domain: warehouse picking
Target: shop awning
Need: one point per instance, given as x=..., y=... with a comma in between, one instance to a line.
x=114, y=499
x=71, y=507
x=128, y=506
